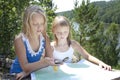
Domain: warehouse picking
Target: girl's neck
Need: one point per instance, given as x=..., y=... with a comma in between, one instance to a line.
x=62, y=46
x=62, y=43
x=34, y=39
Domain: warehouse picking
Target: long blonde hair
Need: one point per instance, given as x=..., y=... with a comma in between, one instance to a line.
x=61, y=21
x=29, y=12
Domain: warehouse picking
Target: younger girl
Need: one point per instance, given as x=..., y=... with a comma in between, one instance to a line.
x=63, y=46
x=32, y=44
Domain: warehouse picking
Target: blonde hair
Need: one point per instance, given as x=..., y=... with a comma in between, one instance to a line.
x=29, y=12
x=61, y=21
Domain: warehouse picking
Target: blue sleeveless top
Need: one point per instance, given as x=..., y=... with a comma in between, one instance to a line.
x=31, y=55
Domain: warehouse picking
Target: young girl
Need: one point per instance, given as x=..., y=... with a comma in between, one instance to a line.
x=32, y=44
x=63, y=46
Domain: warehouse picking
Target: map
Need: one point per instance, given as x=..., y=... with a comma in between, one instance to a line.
x=84, y=70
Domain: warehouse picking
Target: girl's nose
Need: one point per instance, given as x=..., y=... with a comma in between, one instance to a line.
x=38, y=26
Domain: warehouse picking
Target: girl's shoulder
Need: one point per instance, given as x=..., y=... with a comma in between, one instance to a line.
x=75, y=44
x=18, y=38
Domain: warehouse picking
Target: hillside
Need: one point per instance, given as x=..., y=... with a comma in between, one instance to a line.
x=108, y=12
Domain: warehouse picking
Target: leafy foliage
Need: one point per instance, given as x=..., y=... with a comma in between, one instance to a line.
x=10, y=21
x=109, y=11
x=105, y=43
x=85, y=16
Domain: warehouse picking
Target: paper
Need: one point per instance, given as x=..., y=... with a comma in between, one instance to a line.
x=83, y=70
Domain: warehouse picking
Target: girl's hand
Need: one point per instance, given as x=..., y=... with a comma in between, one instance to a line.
x=105, y=66
x=50, y=61
x=21, y=75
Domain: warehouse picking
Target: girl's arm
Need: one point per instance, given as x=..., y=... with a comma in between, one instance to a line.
x=89, y=57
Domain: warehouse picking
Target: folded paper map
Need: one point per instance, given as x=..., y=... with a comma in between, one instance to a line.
x=83, y=70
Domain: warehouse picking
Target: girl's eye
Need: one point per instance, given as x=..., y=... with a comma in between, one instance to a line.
x=62, y=32
x=59, y=32
x=37, y=25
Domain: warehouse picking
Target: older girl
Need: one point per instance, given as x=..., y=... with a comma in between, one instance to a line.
x=32, y=46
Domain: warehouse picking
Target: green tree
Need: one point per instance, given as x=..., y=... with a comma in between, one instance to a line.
x=108, y=12
x=85, y=16
x=111, y=35
x=107, y=42
x=10, y=22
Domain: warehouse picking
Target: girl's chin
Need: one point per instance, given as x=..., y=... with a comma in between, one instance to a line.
x=62, y=39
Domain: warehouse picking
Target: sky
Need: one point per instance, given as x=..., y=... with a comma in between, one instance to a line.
x=65, y=5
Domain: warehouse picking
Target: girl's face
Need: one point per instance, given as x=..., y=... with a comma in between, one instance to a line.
x=61, y=32
x=38, y=23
